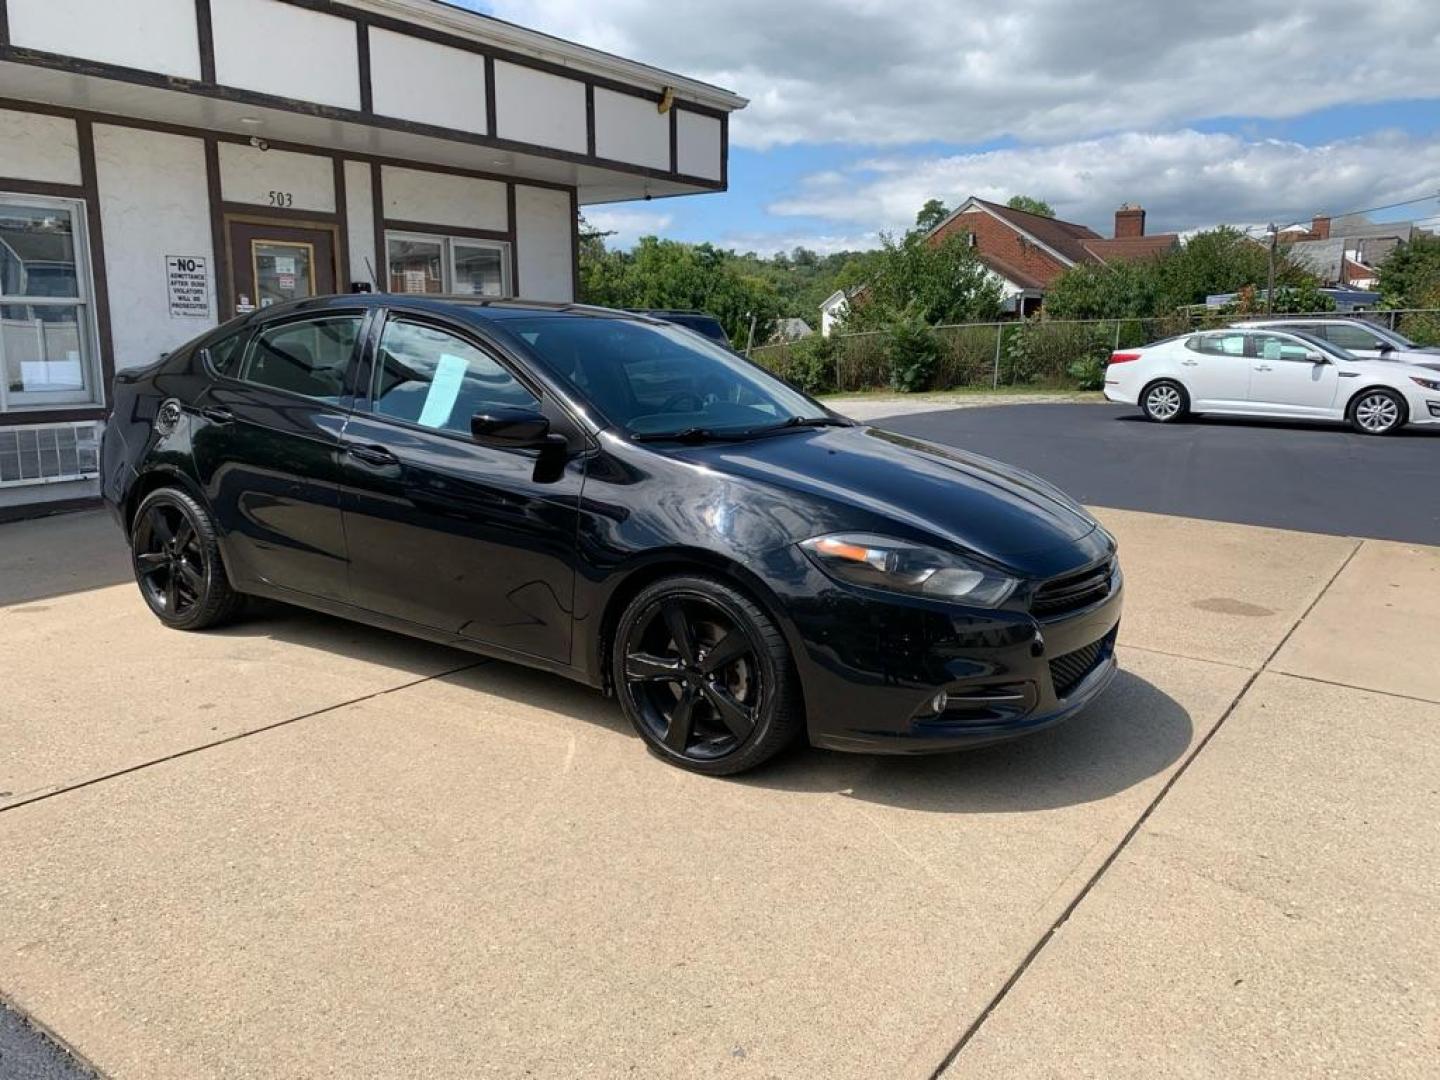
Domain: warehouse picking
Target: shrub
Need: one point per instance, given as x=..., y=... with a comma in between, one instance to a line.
x=1088, y=373
x=912, y=351
x=810, y=364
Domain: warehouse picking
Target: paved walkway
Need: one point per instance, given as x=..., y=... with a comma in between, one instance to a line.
x=300, y=847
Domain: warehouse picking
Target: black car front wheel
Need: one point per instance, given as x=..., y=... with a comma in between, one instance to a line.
x=705, y=676
x=177, y=562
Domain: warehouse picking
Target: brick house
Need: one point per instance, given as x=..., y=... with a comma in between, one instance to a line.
x=1027, y=252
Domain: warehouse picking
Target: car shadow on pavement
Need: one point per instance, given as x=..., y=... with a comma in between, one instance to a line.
x=1132, y=732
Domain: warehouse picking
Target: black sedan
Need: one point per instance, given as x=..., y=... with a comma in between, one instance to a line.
x=606, y=496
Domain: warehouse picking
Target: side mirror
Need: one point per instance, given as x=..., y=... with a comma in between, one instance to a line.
x=1316, y=358
x=510, y=429
x=1386, y=347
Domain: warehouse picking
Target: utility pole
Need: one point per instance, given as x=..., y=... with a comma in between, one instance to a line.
x=1270, y=288
x=750, y=341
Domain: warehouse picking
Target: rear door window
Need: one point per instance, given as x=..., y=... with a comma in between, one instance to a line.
x=1222, y=344
x=310, y=357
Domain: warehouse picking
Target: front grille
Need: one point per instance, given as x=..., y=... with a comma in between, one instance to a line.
x=1073, y=591
x=1069, y=671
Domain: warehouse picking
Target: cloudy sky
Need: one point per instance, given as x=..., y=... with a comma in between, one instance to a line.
x=1240, y=111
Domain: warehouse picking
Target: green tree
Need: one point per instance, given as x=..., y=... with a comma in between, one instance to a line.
x=1221, y=260
x=1119, y=290
x=936, y=283
x=670, y=274
x=1030, y=206
x=1410, y=274
x=931, y=214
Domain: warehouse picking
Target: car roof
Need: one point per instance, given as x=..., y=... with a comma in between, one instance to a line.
x=473, y=308
x=1308, y=320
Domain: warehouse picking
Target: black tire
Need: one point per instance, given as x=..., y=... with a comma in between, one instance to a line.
x=1378, y=411
x=673, y=650
x=176, y=557
x=1165, y=402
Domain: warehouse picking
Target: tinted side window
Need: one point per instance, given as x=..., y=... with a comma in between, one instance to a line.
x=308, y=358
x=1223, y=344
x=1351, y=337
x=1271, y=347
x=225, y=354
x=436, y=379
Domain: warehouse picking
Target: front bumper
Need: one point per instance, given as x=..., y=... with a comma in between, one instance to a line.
x=871, y=669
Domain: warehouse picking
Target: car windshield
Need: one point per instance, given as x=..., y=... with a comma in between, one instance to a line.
x=1328, y=348
x=656, y=380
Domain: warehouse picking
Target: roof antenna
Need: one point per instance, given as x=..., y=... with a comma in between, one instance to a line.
x=374, y=277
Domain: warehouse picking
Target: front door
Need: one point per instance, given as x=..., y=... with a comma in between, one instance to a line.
x=468, y=539
x=1285, y=379
x=271, y=262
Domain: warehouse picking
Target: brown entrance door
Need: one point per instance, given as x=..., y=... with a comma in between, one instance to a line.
x=274, y=262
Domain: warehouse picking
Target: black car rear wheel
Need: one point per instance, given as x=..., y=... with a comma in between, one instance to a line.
x=705, y=677
x=177, y=562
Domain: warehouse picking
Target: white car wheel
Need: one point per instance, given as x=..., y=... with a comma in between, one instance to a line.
x=1164, y=402
x=1378, y=412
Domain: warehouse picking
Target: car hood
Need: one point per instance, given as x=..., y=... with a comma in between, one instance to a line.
x=864, y=478
x=1400, y=365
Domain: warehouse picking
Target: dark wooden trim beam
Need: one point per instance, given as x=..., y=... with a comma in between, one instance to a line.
x=278, y=213
x=205, y=39
x=491, y=113
x=89, y=181
x=431, y=228
x=42, y=415
x=4, y=23
x=219, y=239
x=155, y=80
x=574, y=246
x=725, y=152
x=362, y=58
x=42, y=187
x=343, y=279
x=674, y=139
x=377, y=204
x=589, y=120
x=511, y=233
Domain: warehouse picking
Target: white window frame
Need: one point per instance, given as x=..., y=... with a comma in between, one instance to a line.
x=89, y=335
x=447, y=244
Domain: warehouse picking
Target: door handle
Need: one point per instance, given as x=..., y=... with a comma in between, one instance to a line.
x=1263, y=367
x=218, y=414
x=1189, y=363
x=371, y=455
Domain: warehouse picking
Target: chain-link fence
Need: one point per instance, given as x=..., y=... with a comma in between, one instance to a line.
x=1044, y=354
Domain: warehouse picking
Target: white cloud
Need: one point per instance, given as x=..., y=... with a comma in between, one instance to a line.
x=881, y=73
x=766, y=244
x=627, y=226
x=1184, y=179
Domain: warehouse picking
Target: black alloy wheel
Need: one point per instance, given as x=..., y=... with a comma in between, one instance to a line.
x=177, y=562
x=705, y=677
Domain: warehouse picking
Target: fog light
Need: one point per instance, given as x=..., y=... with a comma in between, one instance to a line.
x=939, y=702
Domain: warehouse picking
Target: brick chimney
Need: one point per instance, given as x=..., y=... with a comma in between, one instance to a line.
x=1320, y=227
x=1129, y=221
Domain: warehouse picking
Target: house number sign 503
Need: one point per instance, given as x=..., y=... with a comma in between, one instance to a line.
x=281, y=198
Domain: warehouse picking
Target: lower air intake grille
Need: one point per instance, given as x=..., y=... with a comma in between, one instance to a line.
x=1069, y=671
x=48, y=453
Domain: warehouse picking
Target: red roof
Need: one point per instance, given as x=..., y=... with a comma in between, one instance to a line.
x=1130, y=248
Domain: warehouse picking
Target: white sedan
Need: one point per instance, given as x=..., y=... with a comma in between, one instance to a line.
x=1239, y=372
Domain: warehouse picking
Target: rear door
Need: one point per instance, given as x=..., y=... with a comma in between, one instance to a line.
x=1216, y=371
x=441, y=531
x=266, y=447
x=1286, y=381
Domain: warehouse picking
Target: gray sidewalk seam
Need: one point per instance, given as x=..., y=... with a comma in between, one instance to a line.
x=1035, y=950
x=237, y=736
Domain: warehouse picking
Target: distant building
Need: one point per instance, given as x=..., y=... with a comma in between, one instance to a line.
x=1027, y=252
x=834, y=309
x=791, y=330
x=1347, y=251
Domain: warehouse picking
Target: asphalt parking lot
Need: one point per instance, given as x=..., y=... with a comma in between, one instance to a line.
x=302, y=847
x=1311, y=477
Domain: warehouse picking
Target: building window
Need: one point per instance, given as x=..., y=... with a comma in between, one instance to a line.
x=48, y=349
x=459, y=266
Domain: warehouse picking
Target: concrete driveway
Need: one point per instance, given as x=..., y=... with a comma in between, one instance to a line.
x=300, y=847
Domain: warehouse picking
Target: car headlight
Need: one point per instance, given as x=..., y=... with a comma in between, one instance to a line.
x=882, y=562
x=1429, y=384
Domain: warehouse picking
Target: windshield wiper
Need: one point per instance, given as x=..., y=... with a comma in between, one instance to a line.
x=689, y=434
x=801, y=422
